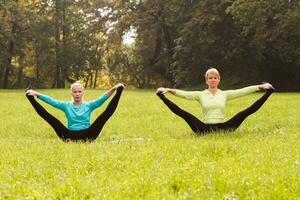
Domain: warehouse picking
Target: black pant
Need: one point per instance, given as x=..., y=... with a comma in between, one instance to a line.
x=201, y=128
x=84, y=135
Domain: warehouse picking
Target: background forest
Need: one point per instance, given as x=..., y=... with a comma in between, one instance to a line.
x=148, y=43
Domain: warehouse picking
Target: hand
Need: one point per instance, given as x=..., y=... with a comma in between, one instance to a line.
x=31, y=92
x=266, y=86
x=119, y=85
x=162, y=90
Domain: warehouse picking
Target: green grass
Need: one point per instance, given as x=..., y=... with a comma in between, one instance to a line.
x=146, y=152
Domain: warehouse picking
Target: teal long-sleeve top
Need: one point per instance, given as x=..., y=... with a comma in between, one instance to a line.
x=213, y=106
x=78, y=117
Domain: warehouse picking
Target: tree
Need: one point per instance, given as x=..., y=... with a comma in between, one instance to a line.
x=271, y=29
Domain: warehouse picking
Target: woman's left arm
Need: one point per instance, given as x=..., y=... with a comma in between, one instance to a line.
x=109, y=92
x=98, y=102
x=232, y=94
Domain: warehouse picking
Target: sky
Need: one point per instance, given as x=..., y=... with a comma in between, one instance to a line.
x=129, y=36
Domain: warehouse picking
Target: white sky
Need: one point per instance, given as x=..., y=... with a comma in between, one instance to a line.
x=129, y=36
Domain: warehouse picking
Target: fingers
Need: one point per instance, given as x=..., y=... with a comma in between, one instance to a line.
x=120, y=85
x=161, y=90
x=266, y=86
x=270, y=86
x=29, y=92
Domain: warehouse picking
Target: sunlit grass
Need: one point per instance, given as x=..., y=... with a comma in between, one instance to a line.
x=145, y=151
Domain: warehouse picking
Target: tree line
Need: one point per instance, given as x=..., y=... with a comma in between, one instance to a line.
x=52, y=43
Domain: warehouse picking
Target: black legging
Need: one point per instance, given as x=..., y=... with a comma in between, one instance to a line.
x=201, y=128
x=88, y=134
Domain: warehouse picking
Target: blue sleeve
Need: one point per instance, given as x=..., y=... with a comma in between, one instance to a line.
x=53, y=102
x=98, y=102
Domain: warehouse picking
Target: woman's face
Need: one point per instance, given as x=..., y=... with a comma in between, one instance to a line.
x=77, y=93
x=212, y=80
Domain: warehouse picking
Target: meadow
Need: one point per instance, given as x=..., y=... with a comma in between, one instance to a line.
x=146, y=152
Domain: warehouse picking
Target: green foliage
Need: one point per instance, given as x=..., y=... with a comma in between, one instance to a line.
x=272, y=31
x=53, y=43
x=146, y=152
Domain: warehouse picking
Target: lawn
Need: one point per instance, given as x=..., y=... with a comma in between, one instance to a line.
x=146, y=152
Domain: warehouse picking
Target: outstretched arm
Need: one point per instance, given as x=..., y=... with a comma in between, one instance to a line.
x=109, y=92
x=232, y=94
x=190, y=95
x=53, y=102
x=31, y=92
x=98, y=102
x=166, y=90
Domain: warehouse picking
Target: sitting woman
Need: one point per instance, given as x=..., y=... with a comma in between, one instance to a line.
x=77, y=112
x=212, y=101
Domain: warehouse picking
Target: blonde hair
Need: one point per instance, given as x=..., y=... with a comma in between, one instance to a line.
x=77, y=83
x=212, y=71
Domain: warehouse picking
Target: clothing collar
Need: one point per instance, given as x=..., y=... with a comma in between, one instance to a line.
x=209, y=93
x=76, y=105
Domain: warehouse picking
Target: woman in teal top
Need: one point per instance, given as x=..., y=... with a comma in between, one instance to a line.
x=212, y=101
x=77, y=112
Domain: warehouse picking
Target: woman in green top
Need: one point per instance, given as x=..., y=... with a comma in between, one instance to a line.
x=212, y=101
x=77, y=112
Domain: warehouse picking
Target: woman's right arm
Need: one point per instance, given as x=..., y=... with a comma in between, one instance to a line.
x=166, y=90
x=33, y=93
x=191, y=95
x=49, y=100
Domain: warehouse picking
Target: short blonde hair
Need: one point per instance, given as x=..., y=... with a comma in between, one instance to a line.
x=212, y=71
x=77, y=83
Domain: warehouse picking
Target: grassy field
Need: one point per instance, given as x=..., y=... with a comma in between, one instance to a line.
x=146, y=152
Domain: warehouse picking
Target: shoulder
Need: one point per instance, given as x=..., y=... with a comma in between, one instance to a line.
x=67, y=103
x=86, y=103
x=89, y=104
x=223, y=92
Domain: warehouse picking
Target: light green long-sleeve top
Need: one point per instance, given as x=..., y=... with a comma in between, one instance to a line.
x=213, y=106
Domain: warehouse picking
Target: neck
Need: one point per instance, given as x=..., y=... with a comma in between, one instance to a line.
x=213, y=90
x=77, y=103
